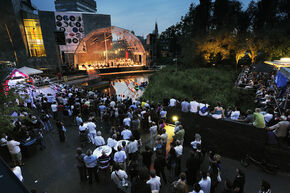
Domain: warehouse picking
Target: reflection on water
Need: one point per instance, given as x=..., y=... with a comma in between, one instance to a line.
x=130, y=86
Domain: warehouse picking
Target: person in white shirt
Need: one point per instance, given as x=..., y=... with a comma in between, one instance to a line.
x=127, y=121
x=164, y=137
x=15, y=151
x=99, y=140
x=126, y=133
x=120, y=156
x=185, y=106
x=112, y=104
x=196, y=189
x=54, y=110
x=203, y=109
x=111, y=141
x=92, y=131
x=178, y=151
x=132, y=148
x=153, y=133
x=154, y=182
x=193, y=106
x=172, y=102
x=163, y=113
x=205, y=182
x=235, y=114
x=82, y=127
x=119, y=177
x=268, y=116
x=17, y=171
x=196, y=141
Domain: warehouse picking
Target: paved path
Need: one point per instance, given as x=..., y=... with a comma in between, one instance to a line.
x=53, y=169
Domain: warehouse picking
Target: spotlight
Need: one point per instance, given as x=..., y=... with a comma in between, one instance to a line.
x=174, y=118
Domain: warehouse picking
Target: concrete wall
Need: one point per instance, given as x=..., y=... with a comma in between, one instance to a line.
x=229, y=138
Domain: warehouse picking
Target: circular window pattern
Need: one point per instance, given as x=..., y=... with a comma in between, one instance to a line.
x=65, y=23
x=75, y=29
x=72, y=18
x=58, y=17
x=78, y=35
x=58, y=24
x=71, y=24
x=68, y=40
x=78, y=24
x=79, y=18
x=65, y=17
x=62, y=29
x=75, y=40
x=81, y=29
x=72, y=34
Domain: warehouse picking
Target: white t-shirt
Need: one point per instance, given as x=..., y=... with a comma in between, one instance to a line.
x=91, y=127
x=163, y=114
x=111, y=142
x=120, y=157
x=196, y=192
x=117, y=178
x=112, y=104
x=82, y=128
x=18, y=173
x=185, y=106
x=127, y=121
x=99, y=141
x=54, y=107
x=154, y=183
x=178, y=150
x=132, y=146
x=172, y=102
x=205, y=185
x=194, y=106
x=13, y=146
x=126, y=134
x=235, y=115
x=194, y=144
x=268, y=117
x=153, y=130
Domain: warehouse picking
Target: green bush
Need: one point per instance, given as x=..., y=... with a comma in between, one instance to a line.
x=210, y=84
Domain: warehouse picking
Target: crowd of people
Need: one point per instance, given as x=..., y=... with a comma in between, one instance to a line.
x=128, y=121
x=133, y=163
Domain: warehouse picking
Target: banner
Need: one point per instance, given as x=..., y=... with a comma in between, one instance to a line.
x=73, y=27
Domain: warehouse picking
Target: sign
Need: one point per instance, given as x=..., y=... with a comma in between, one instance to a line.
x=73, y=27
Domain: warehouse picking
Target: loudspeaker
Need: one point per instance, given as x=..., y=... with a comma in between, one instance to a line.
x=59, y=37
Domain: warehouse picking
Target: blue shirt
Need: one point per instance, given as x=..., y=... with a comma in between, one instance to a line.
x=91, y=161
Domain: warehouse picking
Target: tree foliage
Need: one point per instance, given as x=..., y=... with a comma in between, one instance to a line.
x=221, y=31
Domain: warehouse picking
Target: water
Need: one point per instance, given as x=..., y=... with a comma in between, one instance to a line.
x=129, y=86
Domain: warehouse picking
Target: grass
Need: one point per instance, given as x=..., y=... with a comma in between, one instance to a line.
x=209, y=84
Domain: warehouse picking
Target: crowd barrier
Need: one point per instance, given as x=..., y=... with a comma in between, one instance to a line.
x=230, y=138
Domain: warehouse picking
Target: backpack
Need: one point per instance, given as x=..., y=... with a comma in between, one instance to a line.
x=203, y=109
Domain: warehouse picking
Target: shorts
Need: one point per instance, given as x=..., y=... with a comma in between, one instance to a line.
x=16, y=157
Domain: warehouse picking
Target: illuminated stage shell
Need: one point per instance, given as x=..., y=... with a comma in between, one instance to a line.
x=110, y=47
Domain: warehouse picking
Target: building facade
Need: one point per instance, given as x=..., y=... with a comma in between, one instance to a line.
x=75, y=6
x=27, y=35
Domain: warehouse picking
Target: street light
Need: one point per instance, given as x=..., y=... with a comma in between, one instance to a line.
x=174, y=118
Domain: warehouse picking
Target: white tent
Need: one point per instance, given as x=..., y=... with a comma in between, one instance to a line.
x=29, y=71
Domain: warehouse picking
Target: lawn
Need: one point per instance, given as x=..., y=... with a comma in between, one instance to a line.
x=209, y=84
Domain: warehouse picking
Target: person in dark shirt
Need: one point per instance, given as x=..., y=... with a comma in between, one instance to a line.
x=239, y=182
x=147, y=154
x=80, y=164
x=159, y=165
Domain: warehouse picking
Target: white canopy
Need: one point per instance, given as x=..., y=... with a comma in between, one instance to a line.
x=29, y=71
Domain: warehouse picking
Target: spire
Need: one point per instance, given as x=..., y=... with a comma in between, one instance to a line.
x=156, y=29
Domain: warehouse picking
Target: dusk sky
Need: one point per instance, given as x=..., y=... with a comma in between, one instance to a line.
x=138, y=15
